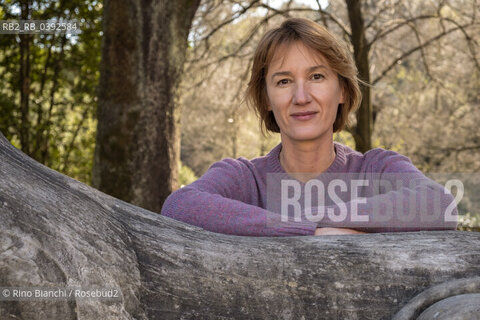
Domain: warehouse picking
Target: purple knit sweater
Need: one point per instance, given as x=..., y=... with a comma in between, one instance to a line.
x=231, y=197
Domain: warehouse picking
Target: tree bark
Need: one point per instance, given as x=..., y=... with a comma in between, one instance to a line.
x=58, y=232
x=362, y=132
x=143, y=53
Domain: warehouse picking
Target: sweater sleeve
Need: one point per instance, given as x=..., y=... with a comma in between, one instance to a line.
x=221, y=201
x=409, y=202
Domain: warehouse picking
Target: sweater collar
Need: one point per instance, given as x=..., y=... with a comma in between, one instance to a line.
x=338, y=164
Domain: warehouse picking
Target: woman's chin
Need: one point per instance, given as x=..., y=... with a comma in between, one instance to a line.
x=304, y=135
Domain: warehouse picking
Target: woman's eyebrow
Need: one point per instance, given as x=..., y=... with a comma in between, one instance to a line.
x=281, y=73
x=288, y=73
x=320, y=66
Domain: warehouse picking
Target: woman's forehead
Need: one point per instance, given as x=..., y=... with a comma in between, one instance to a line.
x=296, y=52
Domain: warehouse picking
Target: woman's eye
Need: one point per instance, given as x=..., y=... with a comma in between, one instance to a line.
x=283, y=82
x=317, y=76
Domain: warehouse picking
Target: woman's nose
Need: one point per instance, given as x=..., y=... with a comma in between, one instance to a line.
x=301, y=95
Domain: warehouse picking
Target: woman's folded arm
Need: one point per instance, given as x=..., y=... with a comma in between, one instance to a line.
x=404, y=199
x=219, y=202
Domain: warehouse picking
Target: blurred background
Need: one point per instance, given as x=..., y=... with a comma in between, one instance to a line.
x=421, y=58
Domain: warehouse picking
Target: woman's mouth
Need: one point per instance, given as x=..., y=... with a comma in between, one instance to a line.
x=304, y=115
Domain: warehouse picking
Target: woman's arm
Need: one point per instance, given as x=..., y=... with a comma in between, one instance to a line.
x=410, y=201
x=222, y=201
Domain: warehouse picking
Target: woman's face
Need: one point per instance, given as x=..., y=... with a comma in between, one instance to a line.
x=303, y=93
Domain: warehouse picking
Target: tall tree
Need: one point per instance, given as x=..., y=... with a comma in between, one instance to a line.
x=363, y=130
x=24, y=85
x=144, y=48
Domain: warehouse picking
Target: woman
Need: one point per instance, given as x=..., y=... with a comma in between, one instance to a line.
x=304, y=85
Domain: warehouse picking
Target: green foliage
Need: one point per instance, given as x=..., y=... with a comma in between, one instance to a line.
x=469, y=222
x=345, y=138
x=185, y=175
x=64, y=73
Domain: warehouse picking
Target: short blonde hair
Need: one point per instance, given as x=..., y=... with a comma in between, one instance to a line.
x=319, y=39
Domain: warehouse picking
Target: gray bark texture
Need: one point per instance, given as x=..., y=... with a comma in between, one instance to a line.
x=58, y=232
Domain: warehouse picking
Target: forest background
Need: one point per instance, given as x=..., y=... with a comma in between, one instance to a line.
x=422, y=61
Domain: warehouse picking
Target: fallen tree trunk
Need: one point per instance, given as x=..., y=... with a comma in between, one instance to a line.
x=58, y=232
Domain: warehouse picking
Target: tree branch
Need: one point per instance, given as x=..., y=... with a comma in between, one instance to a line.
x=320, y=10
x=244, y=43
x=379, y=13
x=409, y=52
x=422, y=52
x=233, y=18
x=383, y=34
x=71, y=145
x=58, y=64
x=205, y=39
x=337, y=21
x=470, y=41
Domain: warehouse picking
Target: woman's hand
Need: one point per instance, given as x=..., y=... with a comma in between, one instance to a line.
x=332, y=231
